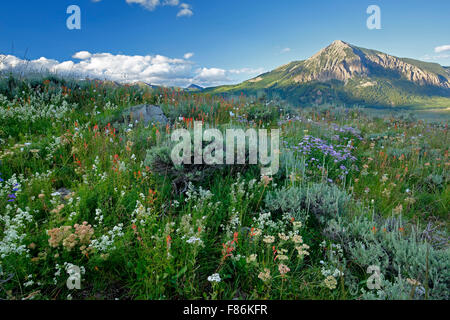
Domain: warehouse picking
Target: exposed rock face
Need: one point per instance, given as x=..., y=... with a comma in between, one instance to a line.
x=351, y=75
x=341, y=61
x=337, y=61
x=145, y=113
x=409, y=71
x=255, y=80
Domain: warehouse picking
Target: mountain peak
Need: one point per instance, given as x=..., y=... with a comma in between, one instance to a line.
x=338, y=46
x=338, y=61
x=194, y=87
x=339, y=43
x=343, y=61
x=352, y=70
x=337, y=49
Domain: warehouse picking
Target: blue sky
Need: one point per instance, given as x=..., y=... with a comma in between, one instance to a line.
x=231, y=40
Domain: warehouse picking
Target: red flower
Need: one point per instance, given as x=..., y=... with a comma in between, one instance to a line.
x=235, y=237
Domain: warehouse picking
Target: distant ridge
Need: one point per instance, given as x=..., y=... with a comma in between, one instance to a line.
x=194, y=87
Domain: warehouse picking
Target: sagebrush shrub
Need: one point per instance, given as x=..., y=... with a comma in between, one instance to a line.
x=159, y=160
x=288, y=200
x=399, y=255
x=323, y=200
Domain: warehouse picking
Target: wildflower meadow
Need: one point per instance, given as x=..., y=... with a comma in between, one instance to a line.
x=93, y=207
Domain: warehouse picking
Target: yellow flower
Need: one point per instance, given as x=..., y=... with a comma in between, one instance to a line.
x=398, y=209
x=330, y=282
x=282, y=257
x=302, y=250
x=297, y=239
x=297, y=225
x=283, y=237
x=265, y=275
x=251, y=258
x=269, y=239
x=283, y=269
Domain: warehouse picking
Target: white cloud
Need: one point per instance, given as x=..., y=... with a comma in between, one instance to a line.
x=82, y=55
x=148, y=4
x=212, y=74
x=188, y=55
x=171, y=2
x=428, y=57
x=285, y=50
x=442, y=48
x=218, y=76
x=154, y=69
x=185, y=11
x=247, y=71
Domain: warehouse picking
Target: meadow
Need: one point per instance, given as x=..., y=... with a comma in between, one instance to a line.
x=356, y=193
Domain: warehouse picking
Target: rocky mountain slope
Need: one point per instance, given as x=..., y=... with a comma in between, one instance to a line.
x=346, y=73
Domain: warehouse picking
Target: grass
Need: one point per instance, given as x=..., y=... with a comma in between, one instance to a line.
x=65, y=161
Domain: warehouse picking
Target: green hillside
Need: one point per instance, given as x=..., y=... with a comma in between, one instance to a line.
x=342, y=73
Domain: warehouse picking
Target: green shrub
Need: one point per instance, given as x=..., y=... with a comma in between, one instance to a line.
x=288, y=200
x=159, y=160
x=399, y=254
x=323, y=200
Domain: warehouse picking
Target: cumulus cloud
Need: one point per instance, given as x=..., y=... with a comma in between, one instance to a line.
x=185, y=10
x=428, y=57
x=188, y=55
x=218, y=76
x=154, y=69
x=148, y=4
x=171, y=2
x=442, y=48
x=82, y=55
x=211, y=75
x=12, y=63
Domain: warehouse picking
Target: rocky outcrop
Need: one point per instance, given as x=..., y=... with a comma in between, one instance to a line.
x=145, y=113
x=351, y=75
x=337, y=61
x=409, y=71
x=341, y=61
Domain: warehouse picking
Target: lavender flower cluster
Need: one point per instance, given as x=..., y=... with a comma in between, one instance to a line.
x=347, y=129
x=315, y=149
x=310, y=144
